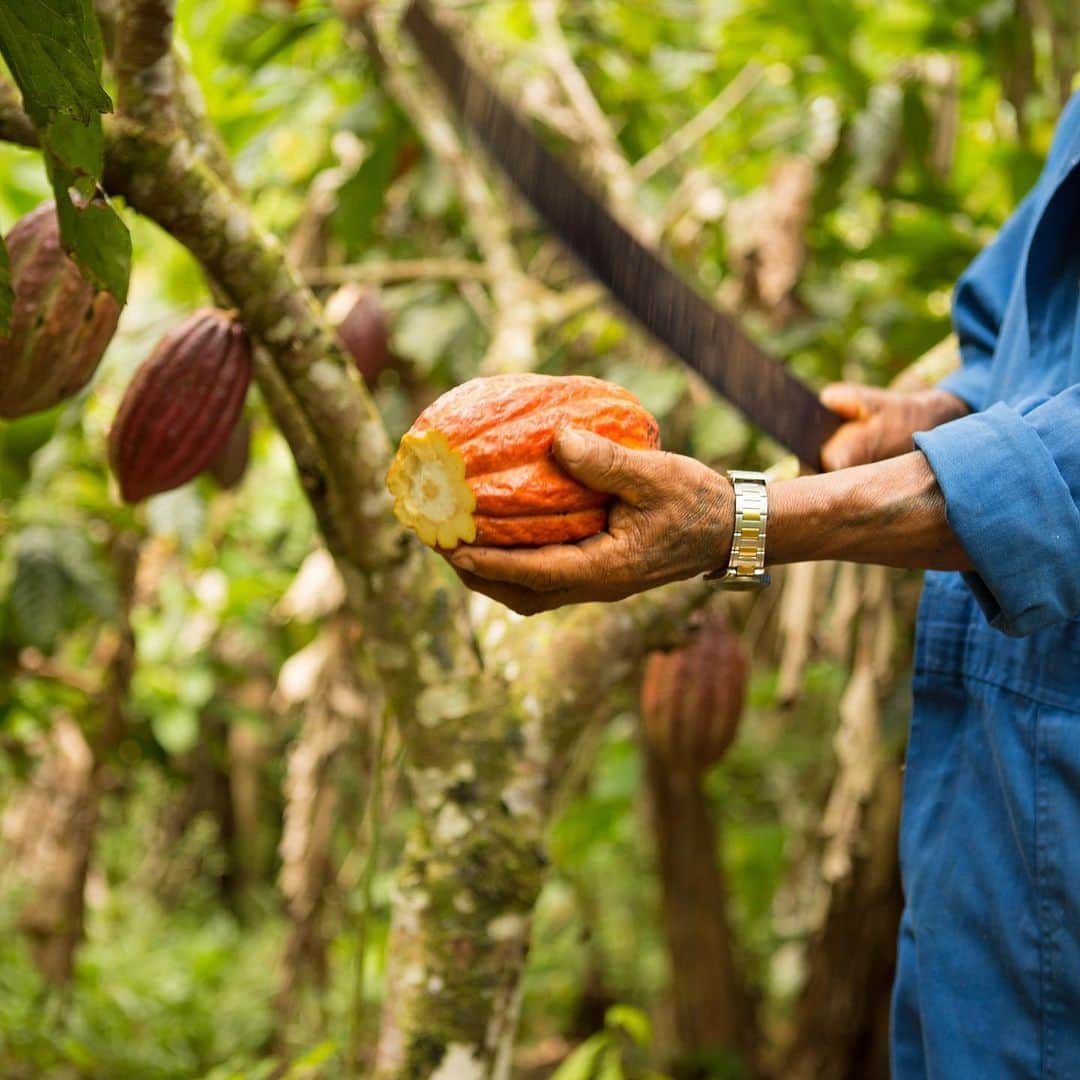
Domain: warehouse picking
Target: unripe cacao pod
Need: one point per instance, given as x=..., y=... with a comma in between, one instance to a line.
x=182, y=405
x=692, y=698
x=358, y=317
x=231, y=461
x=60, y=326
x=477, y=464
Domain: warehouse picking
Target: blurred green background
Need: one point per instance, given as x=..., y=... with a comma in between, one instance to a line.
x=924, y=122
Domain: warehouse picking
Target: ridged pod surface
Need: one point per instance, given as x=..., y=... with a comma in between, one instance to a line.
x=231, y=461
x=363, y=329
x=61, y=325
x=181, y=407
x=477, y=466
x=692, y=698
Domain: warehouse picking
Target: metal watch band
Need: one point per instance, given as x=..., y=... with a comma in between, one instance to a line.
x=746, y=565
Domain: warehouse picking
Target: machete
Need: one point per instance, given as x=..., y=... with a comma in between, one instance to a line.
x=647, y=287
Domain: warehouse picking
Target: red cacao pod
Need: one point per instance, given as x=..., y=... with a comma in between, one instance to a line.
x=692, y=698
x=231, y=461
x=182, y=405
x=360, y=321
x=477, y=464
x=61, y=325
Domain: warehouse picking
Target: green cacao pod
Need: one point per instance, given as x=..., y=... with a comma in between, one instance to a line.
x=181, y=407
x=362, y=328
x=61, y=325
x=692, y=698
x=231, y=461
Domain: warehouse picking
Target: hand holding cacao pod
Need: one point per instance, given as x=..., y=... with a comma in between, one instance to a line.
x=692, y=698
x=181, y=407
x=477, y=465
x=61, y=325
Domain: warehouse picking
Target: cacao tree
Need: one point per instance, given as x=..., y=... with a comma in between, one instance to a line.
x=828, y=194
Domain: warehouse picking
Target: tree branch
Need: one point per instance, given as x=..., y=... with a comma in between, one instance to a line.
x=143, y=62
x=513, y=337
x=399, y=270
x=681, y=140
x=601, y=141
x=15, y=125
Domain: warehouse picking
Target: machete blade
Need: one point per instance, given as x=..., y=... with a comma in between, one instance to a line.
x=647, y=287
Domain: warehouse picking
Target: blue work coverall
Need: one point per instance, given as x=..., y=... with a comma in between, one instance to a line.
x=988, y=980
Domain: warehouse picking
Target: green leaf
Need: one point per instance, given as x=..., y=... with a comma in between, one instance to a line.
x=256, y=37
x=7, y=296
x=633, y=1021
x=360, y=199
x=53, y=48
x=39, y=591
x=581, y=1064
x=611, y=1066
x=93, y=233
x=84, y=573
x=176, y=728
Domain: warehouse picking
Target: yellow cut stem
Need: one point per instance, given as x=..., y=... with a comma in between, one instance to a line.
x=431, y=495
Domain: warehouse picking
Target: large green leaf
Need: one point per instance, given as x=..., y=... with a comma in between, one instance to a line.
x=7, y=297
x=53, y=48
x=38, y=596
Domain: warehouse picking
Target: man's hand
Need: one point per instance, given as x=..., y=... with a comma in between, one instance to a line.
x=672, y=519
x=882, y=422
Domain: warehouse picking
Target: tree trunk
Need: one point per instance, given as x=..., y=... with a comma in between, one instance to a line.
x=713, y=1010
x=49, y=828
x=311, y=804
x=843, y=1020
x=48, y=831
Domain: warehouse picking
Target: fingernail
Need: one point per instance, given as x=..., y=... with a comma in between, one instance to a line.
x=464, y=562
x=572, y=443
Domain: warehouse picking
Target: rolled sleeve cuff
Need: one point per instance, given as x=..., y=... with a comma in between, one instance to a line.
x=1014, y=515
x=969, y=383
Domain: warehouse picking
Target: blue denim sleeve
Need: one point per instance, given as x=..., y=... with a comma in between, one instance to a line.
x=982, y=293
x=1011, y=480
x=979, y=303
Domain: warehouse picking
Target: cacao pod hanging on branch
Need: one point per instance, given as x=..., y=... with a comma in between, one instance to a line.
x=692, y=698
x=477, y=464
x=60, y=326
x=182, y=406
x=362, y=327
x=231, y=461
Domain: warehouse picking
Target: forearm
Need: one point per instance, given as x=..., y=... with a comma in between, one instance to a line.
x=891, y=513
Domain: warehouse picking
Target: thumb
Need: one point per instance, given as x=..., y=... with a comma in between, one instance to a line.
x=852, y=402
x=603, y=465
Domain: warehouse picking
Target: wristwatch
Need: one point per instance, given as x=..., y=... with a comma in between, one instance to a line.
x=746, y=565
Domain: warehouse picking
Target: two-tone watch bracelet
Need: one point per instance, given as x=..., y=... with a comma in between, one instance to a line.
x=746, y=565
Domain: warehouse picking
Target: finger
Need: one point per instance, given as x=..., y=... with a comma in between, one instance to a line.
x=603, y=465
x=523, y=601
x=544, y=569
x=851, y=401
x=851, y=445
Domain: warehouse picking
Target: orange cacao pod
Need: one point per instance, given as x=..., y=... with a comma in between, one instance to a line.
x=61, y=325
x=692, y=698
x=182, y=405
x=358, y=317
x=477, y=464
x=231, y=461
